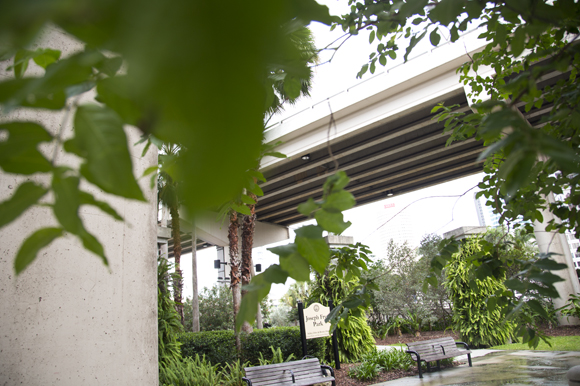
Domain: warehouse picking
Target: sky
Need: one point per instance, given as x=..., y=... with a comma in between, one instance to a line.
x=427, y=210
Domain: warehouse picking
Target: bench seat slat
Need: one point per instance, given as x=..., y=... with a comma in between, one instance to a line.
x=306, y=372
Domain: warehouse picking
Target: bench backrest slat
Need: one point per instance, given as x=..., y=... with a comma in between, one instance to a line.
x=279, y=374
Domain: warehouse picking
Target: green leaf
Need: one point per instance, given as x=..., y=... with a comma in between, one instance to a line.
x=518, y=41
x=111, y=66
x=88, y=199
x=331, y=221
x=248, y=200
x=313, y=247
x=306, y=208
x=91, y=243
x=292, y=87
x=27, y=194
x=434, y=37
x=414, y=41
x=21, y=60
x=275, y=274
x=275, y=154
x=45, y=57
x=335, y=183
x=67, y=201
x=100, y=137
x=115, y=93
x=32, y=245
x=537, y=306
x=293, y=263
x=339, y=201
x=241, y=209
x=19, y=153
x=150, y=170
x=446, y=11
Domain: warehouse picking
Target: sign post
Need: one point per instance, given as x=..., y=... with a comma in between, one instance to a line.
x=312, y=325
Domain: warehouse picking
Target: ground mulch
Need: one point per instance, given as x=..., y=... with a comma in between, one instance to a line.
x=342, y=378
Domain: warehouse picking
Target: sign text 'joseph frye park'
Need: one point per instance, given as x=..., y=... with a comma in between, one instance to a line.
x=314, y=323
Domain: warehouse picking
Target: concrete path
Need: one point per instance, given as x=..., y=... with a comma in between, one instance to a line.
x=499, y=367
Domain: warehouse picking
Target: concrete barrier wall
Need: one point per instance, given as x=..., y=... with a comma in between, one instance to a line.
x=68, y=320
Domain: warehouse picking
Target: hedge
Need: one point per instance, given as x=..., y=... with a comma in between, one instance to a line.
x=219, y=346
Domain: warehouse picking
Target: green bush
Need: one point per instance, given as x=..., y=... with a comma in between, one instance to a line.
x=200, y=372
x=478, y=326
x=286, y=338
x=365, y=371
x=355, y=340
x=218, y=346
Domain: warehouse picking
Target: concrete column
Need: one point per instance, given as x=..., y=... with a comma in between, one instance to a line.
x=68, y=319
x=195, y=297
x=556, y=243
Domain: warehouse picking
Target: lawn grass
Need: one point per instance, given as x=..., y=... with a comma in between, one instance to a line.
x=559, y=343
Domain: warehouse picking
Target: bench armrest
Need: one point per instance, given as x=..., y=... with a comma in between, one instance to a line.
x=248, y=382
x=416, y=353
x=464, y=345
x=326, y=367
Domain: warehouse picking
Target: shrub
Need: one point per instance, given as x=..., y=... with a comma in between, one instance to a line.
x=286, y=338
x=478, y=326
x=277, y=357
x=365, y=371
x=218, y=346
x=168, y=323
x=355, y=340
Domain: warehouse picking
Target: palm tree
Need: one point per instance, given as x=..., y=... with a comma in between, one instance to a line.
x=302, y=53
x=168, y=195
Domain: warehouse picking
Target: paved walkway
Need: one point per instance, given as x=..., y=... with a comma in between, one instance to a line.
x=490, y=368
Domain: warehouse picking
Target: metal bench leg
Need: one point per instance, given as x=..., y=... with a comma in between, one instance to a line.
x=419, y=367
x=469, y=359
x=439, y=365
x=428, y=366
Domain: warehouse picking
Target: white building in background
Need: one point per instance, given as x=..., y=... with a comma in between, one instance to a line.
x=573, y=243
x=485, y=213
x=392, y=223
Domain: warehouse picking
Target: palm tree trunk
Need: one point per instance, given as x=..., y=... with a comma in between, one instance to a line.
x=248, y=227
x=235, y=279
x=178, y=277
x=195, y=297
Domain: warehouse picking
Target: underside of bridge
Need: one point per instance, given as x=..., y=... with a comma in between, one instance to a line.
x=405, y=154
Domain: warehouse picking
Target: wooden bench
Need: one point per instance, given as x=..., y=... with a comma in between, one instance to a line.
x=295, y=373
x=435, y=350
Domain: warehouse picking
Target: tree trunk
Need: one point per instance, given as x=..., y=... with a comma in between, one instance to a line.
x=195, y=297
x=235, y=279
x=178, y=277
x=248, y=227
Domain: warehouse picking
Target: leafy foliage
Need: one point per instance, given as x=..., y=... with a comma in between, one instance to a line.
x=399, y=299
x=168, y=325
x=478, y=324
x=277, y=357
x=217, y=346
x=309, y=248
x=528, y=287
x=342, y=277
x=525, y=163
x=215, y=309
x=383, y=360
x=173, y=91
x=572, y=307
x=365, y=371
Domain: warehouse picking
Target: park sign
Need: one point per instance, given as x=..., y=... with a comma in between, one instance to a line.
x=314, y=324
